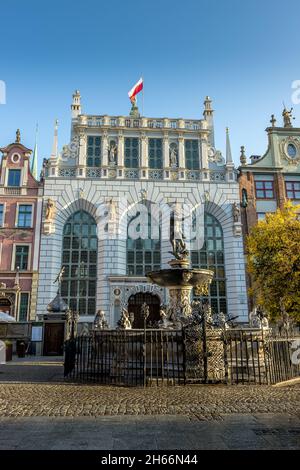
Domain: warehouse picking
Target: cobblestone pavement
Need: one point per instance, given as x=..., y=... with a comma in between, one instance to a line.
x=27, y=396
x=53, y=414
x=202, y=402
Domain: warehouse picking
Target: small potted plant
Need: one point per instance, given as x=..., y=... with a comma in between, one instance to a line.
x=9, y=348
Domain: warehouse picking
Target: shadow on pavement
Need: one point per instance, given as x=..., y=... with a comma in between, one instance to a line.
x=32, y=369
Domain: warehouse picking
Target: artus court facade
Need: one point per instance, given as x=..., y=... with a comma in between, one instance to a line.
x=112, y=164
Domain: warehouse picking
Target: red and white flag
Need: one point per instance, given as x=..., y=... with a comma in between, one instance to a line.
x=136, y=89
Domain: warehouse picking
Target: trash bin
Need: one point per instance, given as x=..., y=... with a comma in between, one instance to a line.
x=9, y=350
x=21, y=348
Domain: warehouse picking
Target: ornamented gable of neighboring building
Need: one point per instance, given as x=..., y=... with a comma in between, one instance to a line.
x=269, y=180
x=20, y=226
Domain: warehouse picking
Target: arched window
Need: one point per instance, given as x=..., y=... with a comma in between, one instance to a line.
x=211, y=256
x=79, y=257
x=143, y=254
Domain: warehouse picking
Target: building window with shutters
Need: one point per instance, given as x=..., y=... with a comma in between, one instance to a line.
x=155, y=153
x=131, y=152
x=191, y=154
x=93, y=151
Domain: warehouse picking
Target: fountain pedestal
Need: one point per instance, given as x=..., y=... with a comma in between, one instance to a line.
x=180, y=280
x=180, y=301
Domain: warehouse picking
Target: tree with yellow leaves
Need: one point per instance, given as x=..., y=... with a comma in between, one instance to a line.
x=273, y=255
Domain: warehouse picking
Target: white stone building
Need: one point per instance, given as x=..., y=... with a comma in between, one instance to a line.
x=90, y=189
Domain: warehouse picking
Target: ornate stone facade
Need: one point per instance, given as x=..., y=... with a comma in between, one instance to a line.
x=156, y=162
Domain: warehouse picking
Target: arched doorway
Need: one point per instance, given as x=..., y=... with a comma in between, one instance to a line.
x=135, y=303
x=6, y=306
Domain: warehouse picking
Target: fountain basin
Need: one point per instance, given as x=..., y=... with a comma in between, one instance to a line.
x=181, y=278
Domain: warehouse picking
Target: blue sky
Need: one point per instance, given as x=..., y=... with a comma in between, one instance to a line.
x=244, y=54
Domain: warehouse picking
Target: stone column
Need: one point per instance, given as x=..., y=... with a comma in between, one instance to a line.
x=144, y=151
x=2, y=179
x=120, y=149
x=143, y=148
x=204, y=153
x=166, y=157
x=82, y=149
x=181, y=156
x=25, y=173
x=104, y=149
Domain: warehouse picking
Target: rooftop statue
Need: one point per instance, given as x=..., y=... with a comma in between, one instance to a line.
x=134, y=112
x=287, y=117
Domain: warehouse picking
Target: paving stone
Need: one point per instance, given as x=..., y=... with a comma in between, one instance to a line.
x=198, y=402
x=52, y=414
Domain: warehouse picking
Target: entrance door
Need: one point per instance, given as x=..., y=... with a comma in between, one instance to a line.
x=54, y=339
x=135, y=303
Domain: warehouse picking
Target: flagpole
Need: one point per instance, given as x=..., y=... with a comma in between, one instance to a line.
x=143, y=97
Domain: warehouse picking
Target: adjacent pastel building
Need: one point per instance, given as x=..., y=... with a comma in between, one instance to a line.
x=271, y=179
x=20, y=225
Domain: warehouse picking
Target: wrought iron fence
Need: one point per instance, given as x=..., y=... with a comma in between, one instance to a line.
x=260, y=357
x=126, y=357
x=174, y=357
